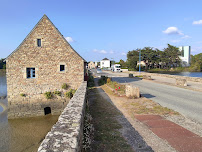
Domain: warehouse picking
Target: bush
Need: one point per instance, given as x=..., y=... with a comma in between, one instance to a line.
x=102, y=80
x=108, y=80
x=91, y=82
x=48, y=95
x=70, y=94
x=65, y=86
x=57, y=93
x=22, y=94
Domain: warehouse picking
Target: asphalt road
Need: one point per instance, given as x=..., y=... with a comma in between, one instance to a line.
x=184, y=101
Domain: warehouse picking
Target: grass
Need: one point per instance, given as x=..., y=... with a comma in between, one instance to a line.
x=107, y=136
x=117, y=86
x=150, y=107
x=139, y=76
x=142, y=105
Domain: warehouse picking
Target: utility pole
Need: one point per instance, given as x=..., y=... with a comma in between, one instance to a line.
x=139, y=62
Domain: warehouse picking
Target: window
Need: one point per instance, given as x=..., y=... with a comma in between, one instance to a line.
x=30, y=72
x=39, y=42
x=62, y=67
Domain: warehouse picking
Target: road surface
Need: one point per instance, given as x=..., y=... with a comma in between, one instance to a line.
x=184, y=101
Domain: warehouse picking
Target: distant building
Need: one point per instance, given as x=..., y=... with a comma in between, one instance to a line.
x=185, y=55
x=141, y=63
x=105, y=63
x=96, y=64
x=91, y=65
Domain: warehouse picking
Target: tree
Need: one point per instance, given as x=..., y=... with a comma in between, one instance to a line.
x=170, y=57
x=2, y=64
x=132, y=58
x=123, y=64
x=196, y=62
x=149, y=56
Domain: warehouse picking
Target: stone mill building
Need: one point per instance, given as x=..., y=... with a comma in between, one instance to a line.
x=42, y=63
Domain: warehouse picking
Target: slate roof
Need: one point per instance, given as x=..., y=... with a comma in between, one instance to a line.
x=105, y=59
x=44, y=16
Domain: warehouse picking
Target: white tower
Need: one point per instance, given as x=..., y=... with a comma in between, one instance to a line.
x=185, y=55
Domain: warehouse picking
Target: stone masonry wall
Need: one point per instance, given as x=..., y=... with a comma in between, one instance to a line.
x=66, y=135
x=46, y=60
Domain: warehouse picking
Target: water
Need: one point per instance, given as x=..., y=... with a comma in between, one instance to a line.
x=21, y=135
x=24, y=135
x=3, y=86
x=188, y=74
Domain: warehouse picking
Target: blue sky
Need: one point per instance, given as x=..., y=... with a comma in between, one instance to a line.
x=106, y=28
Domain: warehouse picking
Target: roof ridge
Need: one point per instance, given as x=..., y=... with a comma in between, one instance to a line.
x=44, y=16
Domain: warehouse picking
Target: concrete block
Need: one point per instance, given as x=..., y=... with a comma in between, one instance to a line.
x=132, y=91
x=181, y=82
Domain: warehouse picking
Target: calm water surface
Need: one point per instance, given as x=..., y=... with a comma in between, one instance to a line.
x=21, y=135
x=188, y=74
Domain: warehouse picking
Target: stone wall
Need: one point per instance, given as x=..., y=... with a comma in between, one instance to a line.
x=46, y=59
x=66, y=135
x=193, y=79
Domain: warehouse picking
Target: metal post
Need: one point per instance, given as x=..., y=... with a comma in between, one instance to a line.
x=139, y=62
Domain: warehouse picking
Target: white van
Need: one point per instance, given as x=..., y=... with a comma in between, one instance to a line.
x=116, y=68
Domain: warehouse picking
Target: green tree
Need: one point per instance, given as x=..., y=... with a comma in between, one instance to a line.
x=2, y=64
x=123, y=64
x=170, y=57
x=150, y=57
x=132, y=58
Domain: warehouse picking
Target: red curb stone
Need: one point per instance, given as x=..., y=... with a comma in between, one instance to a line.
x=148, y=117
x=166, y=133
x=192, y=144
x=160, y=123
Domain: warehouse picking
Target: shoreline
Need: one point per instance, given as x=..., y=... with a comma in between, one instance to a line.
x=2, y=104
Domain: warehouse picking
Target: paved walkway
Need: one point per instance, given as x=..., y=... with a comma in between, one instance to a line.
x=178, y=137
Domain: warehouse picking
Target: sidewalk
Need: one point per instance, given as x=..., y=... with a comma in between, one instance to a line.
x=178, y=137
x=158, y=132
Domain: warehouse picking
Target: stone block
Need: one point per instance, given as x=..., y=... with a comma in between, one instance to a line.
x=132, y=91
x=181, y=82
x=130, y=75
x=147, y=77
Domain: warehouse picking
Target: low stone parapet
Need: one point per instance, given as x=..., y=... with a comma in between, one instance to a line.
x=132, y=91
x=66, y=135
x=192, y=79
x=181, y=82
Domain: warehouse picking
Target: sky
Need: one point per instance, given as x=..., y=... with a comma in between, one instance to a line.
x=106, y=28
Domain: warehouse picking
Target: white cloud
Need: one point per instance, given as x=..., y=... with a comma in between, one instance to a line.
x=111, y=52
x=95, y=50
x=175, y=41
x=69, y=39
x=186, y=37
x=103, y=51
x=197, y=22
x=172, y=30
x=123, y=53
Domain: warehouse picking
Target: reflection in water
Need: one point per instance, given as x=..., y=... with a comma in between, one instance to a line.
x=21, y=135
x=25, y=134
x=3, y=86
x=1, y=108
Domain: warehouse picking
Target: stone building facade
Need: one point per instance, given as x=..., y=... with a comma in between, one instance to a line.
x=43, y=62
